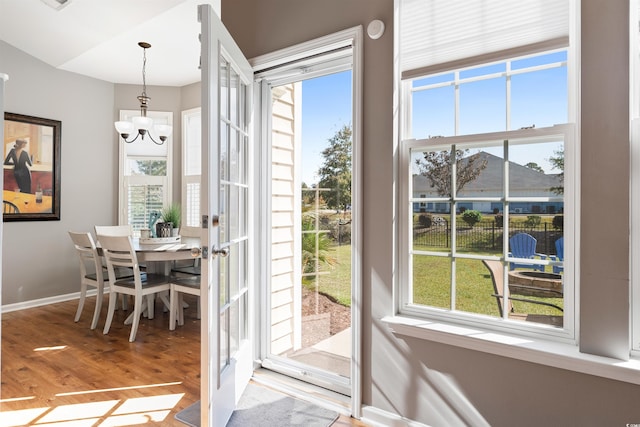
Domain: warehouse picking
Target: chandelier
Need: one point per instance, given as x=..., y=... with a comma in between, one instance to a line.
x=142, y=123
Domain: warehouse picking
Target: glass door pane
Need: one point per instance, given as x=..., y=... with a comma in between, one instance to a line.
x=311, y=251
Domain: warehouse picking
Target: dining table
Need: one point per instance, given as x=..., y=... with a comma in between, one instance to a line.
x=157, y=254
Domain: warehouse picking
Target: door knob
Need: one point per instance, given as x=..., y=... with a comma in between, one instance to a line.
x=223, y=252
x=195, y=252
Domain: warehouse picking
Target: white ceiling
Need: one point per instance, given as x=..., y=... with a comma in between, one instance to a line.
x=99, y=38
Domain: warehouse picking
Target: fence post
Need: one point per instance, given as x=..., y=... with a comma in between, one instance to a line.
x=493, y=235
x=447, y=233
x=546, y=239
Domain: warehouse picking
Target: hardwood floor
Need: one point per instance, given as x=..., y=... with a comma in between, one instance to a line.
x=55, y=370
x=50, y=362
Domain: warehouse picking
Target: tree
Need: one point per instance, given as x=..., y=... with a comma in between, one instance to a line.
x=471, y=217
x=314, y=243
x=152, y=167
x=335, y=172
x=534, y=166
x=558, y=163
x=436, y=165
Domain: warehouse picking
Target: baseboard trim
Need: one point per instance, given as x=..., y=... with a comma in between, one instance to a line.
x=377, y=417
x=45, y=301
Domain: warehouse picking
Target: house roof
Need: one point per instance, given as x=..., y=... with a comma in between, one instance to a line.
x=489, y=182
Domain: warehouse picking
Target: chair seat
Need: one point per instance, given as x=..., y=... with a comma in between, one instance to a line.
x=152, y=279
x=187, y=269
x=186, y=282
x=121, y=273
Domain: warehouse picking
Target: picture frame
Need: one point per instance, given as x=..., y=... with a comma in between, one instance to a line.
x=31, y=168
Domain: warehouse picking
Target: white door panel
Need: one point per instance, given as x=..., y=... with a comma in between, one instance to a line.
x=225, y=194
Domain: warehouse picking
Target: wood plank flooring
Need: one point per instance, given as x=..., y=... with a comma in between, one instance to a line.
x=55, y=370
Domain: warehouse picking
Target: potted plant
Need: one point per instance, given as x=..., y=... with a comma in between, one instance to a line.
x=172, y=214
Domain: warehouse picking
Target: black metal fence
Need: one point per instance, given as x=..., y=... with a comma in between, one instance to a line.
x=484, y=236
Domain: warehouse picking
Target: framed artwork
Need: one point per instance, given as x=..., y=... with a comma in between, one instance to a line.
x=31, y=190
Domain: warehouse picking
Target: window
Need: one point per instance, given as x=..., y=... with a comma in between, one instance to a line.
x=486, y=126
x=191, y=170
x=145, y=169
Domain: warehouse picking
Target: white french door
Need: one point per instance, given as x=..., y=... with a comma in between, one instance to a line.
x=226, y=361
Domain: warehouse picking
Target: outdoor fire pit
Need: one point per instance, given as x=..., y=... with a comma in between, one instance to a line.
x=535, y=283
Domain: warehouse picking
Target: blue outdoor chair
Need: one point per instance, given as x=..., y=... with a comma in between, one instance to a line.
x=523, y=245
x=557, y=269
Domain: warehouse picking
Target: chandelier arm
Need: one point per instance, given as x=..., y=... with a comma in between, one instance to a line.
x=154, y=141
x=129, y=142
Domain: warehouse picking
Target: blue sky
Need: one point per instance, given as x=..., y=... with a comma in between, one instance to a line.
x=538, y=99
x=326, y=108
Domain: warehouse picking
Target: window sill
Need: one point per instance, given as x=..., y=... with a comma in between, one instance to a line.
x=534, y=350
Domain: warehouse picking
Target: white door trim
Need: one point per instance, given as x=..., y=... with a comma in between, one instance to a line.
x=350, y=37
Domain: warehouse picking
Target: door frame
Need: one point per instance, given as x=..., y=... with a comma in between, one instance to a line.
x=350, y=37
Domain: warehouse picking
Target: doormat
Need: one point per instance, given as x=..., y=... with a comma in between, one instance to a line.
x=263, y=407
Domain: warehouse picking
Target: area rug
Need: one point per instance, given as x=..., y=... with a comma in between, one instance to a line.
x=263, y=407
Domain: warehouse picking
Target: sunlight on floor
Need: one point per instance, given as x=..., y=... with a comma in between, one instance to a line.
x=109, y=413
x=58, y=347
x=117, y=389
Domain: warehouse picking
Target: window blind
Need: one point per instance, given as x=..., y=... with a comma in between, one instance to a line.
x=441, y=35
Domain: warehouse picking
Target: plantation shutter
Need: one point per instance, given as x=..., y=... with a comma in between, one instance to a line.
x=191, y=170
x=441, y=35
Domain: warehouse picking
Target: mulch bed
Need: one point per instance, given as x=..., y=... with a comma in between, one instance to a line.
x=340, y=315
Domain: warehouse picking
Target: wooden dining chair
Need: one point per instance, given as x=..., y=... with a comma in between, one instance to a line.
x=188, y=267
x=114, y=230
x=120, y=252
x=92, y=272
x=179, y=287
x=118, y=230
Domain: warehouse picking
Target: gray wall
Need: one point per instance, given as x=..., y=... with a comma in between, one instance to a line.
x=411, y=377
x=89, y=167
x=38, y=259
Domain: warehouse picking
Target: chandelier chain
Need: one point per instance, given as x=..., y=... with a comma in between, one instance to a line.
x=144, y=72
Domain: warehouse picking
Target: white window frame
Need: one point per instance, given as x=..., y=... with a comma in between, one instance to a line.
x=457, y=322
x=186, y=229
x=405, y=282
x=634, y=125
x=125, y=181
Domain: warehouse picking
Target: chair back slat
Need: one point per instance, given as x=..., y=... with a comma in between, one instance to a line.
x=114, y=230
x=87, y=252
x=496, y=269
x=523, y=245
x=118, y=251
x=560, y=248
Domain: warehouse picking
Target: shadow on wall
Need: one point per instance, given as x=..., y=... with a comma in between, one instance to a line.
x=427, y=391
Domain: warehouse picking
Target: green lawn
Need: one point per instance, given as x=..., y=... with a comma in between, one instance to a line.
x=431, y=283
x=337, y=283
x=431, y=286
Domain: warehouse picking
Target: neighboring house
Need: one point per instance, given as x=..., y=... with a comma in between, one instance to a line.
x=524, y=182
